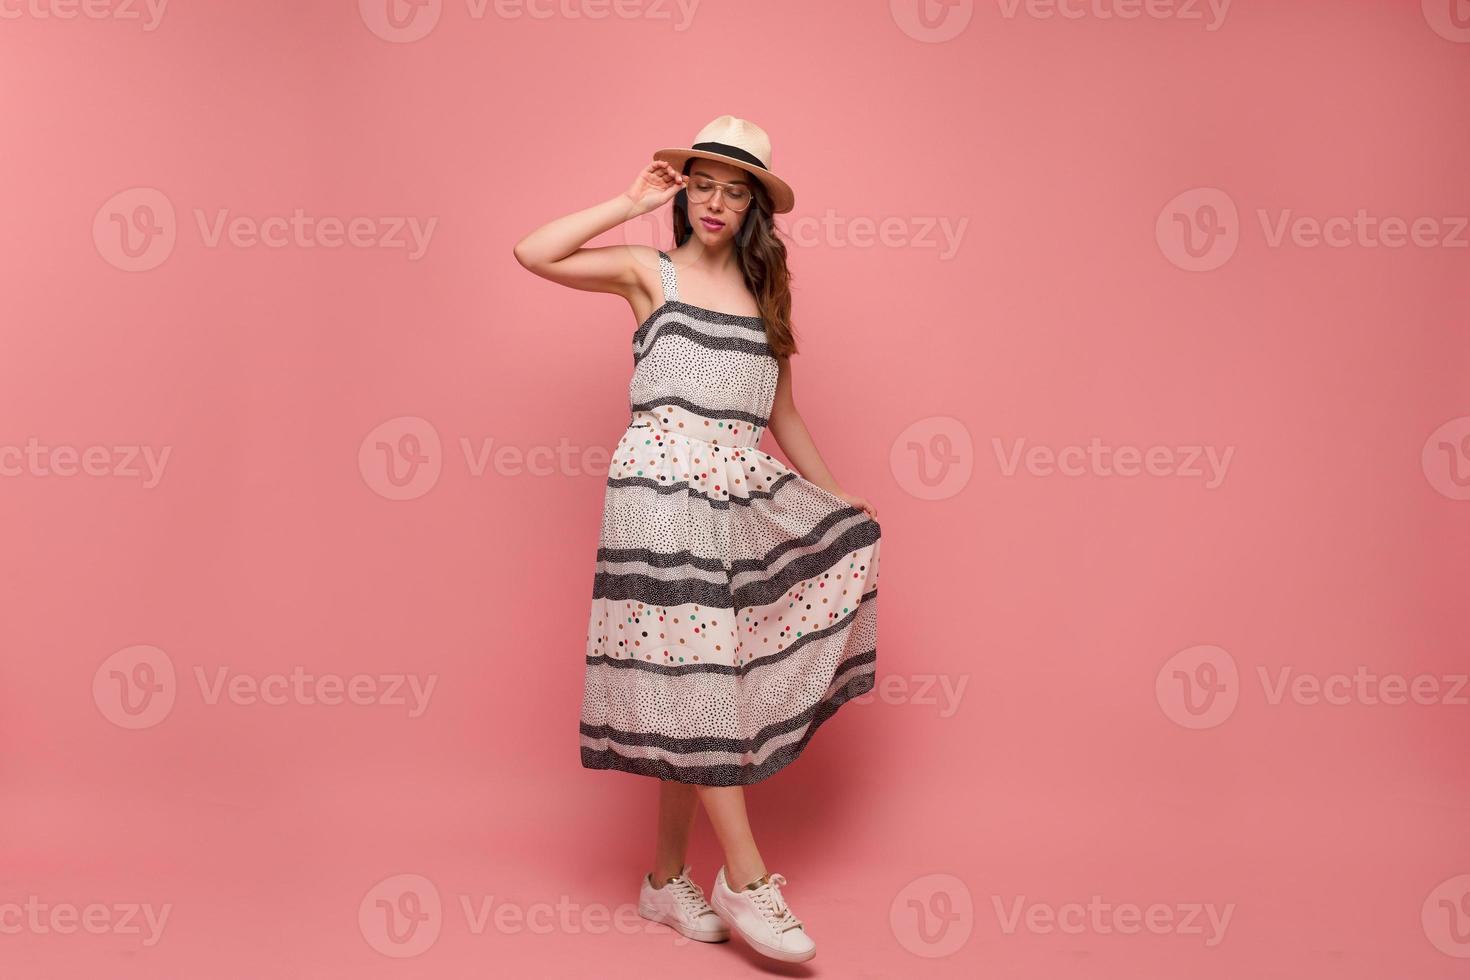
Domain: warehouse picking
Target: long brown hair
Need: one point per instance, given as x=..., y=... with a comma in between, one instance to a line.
x=762, y=258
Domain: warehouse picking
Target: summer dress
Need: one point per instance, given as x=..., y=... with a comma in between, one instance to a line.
x=734, y=603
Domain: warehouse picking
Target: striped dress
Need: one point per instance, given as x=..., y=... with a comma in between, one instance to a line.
x=734, y=604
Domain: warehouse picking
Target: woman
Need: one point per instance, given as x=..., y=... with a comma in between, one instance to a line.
x=734, y=604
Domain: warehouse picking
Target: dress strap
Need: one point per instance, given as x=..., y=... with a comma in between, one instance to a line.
x=668, y=277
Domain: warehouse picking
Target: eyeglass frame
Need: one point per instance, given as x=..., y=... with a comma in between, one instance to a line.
x=719, y=188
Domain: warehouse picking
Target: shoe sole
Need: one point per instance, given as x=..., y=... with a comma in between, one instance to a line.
x=653, y=915
x=784, y=956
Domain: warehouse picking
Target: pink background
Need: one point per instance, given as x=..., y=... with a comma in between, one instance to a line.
x=1053, y=603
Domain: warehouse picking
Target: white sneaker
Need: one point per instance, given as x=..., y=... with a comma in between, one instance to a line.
x=763, y=919
x=680, y=905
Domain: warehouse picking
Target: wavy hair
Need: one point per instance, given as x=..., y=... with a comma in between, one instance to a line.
x=762, y=258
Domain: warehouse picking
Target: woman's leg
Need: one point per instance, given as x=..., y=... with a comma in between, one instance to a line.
x=676, y=805
x=726, y=808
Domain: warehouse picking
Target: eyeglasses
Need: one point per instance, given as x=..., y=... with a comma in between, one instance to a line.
x=702, y=189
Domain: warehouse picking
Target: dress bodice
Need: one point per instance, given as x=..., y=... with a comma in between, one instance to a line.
x=701, y=373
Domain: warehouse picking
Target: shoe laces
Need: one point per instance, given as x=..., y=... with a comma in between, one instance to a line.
x=689, y=895
x=772, y=904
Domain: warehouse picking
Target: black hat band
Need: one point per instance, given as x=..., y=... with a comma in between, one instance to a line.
x=743, y=156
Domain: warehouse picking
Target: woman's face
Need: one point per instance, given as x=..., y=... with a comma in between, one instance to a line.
x=713, y=219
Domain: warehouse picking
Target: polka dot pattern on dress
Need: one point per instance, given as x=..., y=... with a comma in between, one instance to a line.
x=734, y=603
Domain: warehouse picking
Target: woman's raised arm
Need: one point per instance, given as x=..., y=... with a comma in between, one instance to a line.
x=557, y=250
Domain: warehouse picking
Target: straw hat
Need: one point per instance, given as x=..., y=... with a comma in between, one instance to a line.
x=738, y=142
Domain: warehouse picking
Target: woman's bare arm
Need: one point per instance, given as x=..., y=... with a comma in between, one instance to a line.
x=557, y=250
x=796, y=442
